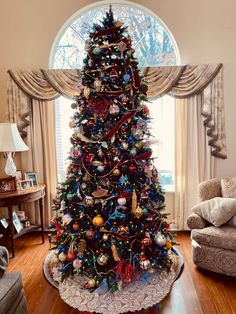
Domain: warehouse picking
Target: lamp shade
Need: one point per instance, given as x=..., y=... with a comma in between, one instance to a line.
x=10, y=139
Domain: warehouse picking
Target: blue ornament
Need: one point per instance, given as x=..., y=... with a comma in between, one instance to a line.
x=103, y=288
x=123, y=180
x=126, y=78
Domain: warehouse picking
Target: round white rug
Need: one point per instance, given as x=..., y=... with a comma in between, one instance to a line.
x=145, y=291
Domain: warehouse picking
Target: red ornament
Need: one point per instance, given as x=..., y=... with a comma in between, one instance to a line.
x=146, y=241
x=70, y=256
x=75, y=226
x=149, y=217
x=132, y=168
x=113, y=74
x=91, y=123
x=145, y=111
x=89, y=158
x=90, y=234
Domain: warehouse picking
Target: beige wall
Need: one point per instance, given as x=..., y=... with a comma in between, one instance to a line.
x=205, y=31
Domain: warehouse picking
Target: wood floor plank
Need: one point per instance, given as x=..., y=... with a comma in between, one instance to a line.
x=195, y=292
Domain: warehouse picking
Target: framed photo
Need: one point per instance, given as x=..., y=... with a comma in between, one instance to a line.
x=19, y=175
x=4, y=222
x=16, y=222
x=8, y=185
x=25, y=184
x=32, y=176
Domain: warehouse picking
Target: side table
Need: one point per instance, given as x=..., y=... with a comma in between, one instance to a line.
x=17, y=198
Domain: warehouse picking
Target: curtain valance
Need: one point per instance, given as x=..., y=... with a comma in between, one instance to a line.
x=178, y=81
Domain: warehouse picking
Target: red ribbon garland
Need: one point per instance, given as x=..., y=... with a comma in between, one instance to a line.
x=125, y=118
x=104, y=32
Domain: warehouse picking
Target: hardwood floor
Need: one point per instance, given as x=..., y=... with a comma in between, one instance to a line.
x=194, y=292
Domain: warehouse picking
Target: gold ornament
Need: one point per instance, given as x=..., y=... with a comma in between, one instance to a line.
x=86, y=177
x=115, y=253
x=86, y=92
x=97, y=85
x=98, y=221
x=91, y=283
x=84, y=138
x=134, y=201
x=72, y=124
x=54, y=261
x=62, y=256
x=81, y=247
x=138, y=212
x=116, y=172
x=168, y=245
x=138, y=145
x=123, y=229
x=100, y=193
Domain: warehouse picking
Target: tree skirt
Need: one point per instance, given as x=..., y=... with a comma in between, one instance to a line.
x=145, y=291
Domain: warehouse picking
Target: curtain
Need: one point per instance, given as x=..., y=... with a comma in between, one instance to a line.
x=194, y=162
x=39, y=116
x=199, y=93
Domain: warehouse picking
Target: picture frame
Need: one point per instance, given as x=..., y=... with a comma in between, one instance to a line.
x=16, y=222
x=29, y=175
x=19, y=175
x=4, y=222
x=8, y=185
x=25, y=184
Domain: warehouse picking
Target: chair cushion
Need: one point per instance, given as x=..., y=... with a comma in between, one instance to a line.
x=4, y=259
x=223, y=237
x=10, y=289
x=209, y=189
x=228, y=186
x=232, y=221
x=217, y=210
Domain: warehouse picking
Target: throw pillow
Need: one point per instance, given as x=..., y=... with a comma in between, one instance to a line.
x=217, y=210
x=4, y=258
x=232, y=221
x=228, y=186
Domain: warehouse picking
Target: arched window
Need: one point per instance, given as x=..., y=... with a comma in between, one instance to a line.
x=154, y=46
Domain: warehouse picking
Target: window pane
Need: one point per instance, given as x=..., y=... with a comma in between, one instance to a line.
x=162, y=112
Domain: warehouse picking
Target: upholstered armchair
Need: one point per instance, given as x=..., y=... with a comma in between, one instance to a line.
x=213, y=226
x=12, y=297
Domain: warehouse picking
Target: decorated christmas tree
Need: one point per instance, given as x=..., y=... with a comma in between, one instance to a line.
x=109, y=221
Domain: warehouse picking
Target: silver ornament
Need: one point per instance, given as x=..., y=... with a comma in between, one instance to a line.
x=102, y=259
x=138, y=134
x=83, y=185
x=133, y=152
x=105, y=237
x=121, y=201
x=125, y=145
x=100, y=168
x=160, y=239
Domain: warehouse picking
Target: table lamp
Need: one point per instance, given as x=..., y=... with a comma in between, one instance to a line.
x=11, y=141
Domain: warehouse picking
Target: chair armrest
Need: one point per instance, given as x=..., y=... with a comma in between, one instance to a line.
x=209, y=189
x=195, y=221
x=4, y=259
